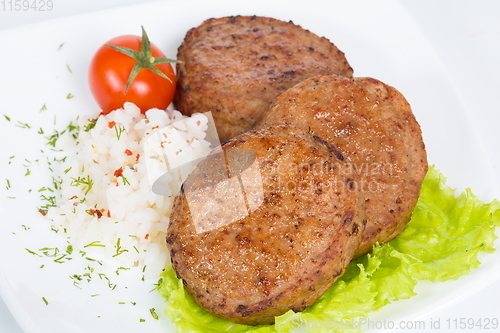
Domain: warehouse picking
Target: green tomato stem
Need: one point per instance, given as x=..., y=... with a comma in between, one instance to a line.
x=144, y=59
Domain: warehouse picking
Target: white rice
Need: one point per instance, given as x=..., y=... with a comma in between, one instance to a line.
x=132, y=220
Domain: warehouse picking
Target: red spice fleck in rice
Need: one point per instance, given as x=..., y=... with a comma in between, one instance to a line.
x=118, y=172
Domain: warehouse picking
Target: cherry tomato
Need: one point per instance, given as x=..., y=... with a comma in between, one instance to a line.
x=110, y=75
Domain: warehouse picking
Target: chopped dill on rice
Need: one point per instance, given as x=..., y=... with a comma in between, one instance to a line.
x=105, y=202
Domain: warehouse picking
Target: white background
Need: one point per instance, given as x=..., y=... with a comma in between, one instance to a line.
x=465, y=34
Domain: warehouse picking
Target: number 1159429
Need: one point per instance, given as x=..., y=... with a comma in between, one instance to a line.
x=26, y=5
x=472, y=323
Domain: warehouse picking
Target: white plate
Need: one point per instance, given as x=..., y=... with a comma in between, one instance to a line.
x=380, y=40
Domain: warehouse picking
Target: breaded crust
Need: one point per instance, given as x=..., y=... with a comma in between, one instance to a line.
x=373, y=126
x=236, y=66
x=250, y=255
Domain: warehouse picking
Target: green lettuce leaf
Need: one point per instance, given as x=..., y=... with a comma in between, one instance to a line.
x=442, y=242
